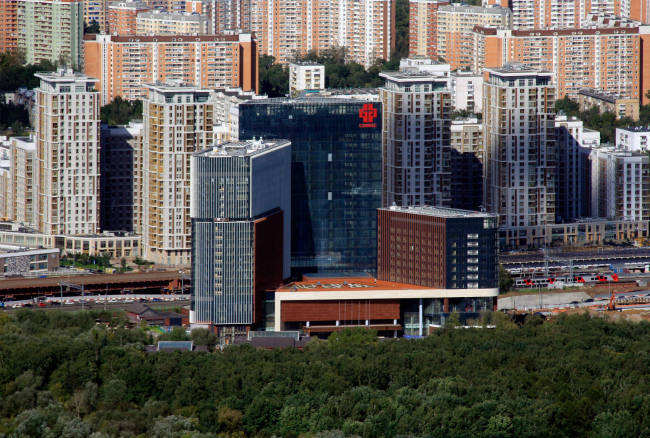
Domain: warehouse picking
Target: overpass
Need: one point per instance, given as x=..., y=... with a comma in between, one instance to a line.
x=145, y=282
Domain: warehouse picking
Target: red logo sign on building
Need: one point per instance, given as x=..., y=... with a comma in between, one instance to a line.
x=368, y=114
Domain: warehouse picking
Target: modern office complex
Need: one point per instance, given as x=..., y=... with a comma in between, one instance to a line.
x=415, y=143
x=177, y=124
x=240, y=205
x=519, y=138
x=66, y=185
x=123, y=65
x=52, y=31
x=121, y=177
x=467, y=163
x=335, y=177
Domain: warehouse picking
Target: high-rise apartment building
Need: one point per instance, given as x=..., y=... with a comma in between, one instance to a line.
x=8, y=25
x=171, y=6
x=123, y=65
x=123, y=15
x=423, y=27
x=335, y=177
x=519, y=138
x=415, y=138
x=51, y=30
x=240, y=205
x=121, y=177
x=467, y=162
x=620, y=184
x=224, y=15
x=454, y=31
x=177, y=124
x=633, y=138
x=163, y=23
x=286, y=27
x=96, y=11
x=20, y=190
x=66, y=185
x=562, y=14
x=607, y=58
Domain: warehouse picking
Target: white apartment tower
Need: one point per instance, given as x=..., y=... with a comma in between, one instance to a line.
x=415, y=138
x=519, y=137
x=177, y=123
x=20, y=189
x=66, y=188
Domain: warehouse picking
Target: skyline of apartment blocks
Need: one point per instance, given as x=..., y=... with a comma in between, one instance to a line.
x=66, y=186
x=286, y=27
x=519, y=137
x=177, y=123
x=606, y=58
x=121, y=177
x=240, y=205
x=51, y=30
x=162, y=23
x=454, y=31
x=123, y=65
x=415, y=138
x=620, y=184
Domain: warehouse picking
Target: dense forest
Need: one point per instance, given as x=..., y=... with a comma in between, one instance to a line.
x=121, y=112
x=606, y=123
x=64, y=375
x=14, y=73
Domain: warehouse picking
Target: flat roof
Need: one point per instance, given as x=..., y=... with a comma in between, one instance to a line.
x=307, y=63
x=518, y=69
x=600, y=94
x=440, y=211
x=635, y=128
x=305, y=100
x=310, y=94
x=243, y=148
x=344, y=282
x=474, y=9
x=159, y=15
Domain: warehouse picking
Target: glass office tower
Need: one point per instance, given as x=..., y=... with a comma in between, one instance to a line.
x=335, y=177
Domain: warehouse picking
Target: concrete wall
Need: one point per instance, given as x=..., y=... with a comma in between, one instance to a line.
x=533, y=300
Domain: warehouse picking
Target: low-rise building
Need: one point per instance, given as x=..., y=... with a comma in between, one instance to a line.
x=306, y=75
x=633, y=138
x=620, y=105
x=20, y=260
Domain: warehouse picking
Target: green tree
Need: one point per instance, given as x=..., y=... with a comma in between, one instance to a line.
x=505, y=280
x=123, y=262
x=92, y=28
x=120, y=111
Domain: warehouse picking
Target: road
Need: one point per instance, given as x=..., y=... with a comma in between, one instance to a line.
x=176, y=300
x=21, y=283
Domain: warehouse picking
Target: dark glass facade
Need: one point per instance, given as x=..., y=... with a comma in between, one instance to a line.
x=335, y=177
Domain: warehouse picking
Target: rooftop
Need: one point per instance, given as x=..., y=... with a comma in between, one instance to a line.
x=441, y=211
x=635, y=128
x=464, y=7
x=516, y=68
x=63, y=75
x=414, y=74
x=301, y=100
x=600, y=94
x=243, y=148
x=306, y=63
x=351, y=92
x=330, y=284
x=160, y=15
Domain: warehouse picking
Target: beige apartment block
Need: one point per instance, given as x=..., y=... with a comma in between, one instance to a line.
x=177, y=124
x=224, y=15
x=66, y=185
x=51, y=30
x=621, y=106
x=423, y=27
x=163, y=23
x=123, y=65
x=467, y=162
x=96, y=10
x=519, y=138
x=21, y=186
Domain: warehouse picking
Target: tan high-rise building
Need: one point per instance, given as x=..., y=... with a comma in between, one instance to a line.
x=8, y=25
x=163, y=23
x=289, y=27
x=607, y=58
x=415, y=139
x=224, y=15
x=455, y=24
x=66, y=184
x=51, y=30
x=20, y=189
x=124, y=65
x=177, y=124
x=423, y=27
x=519, y=138
x=122, y=16
x=171, y=6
